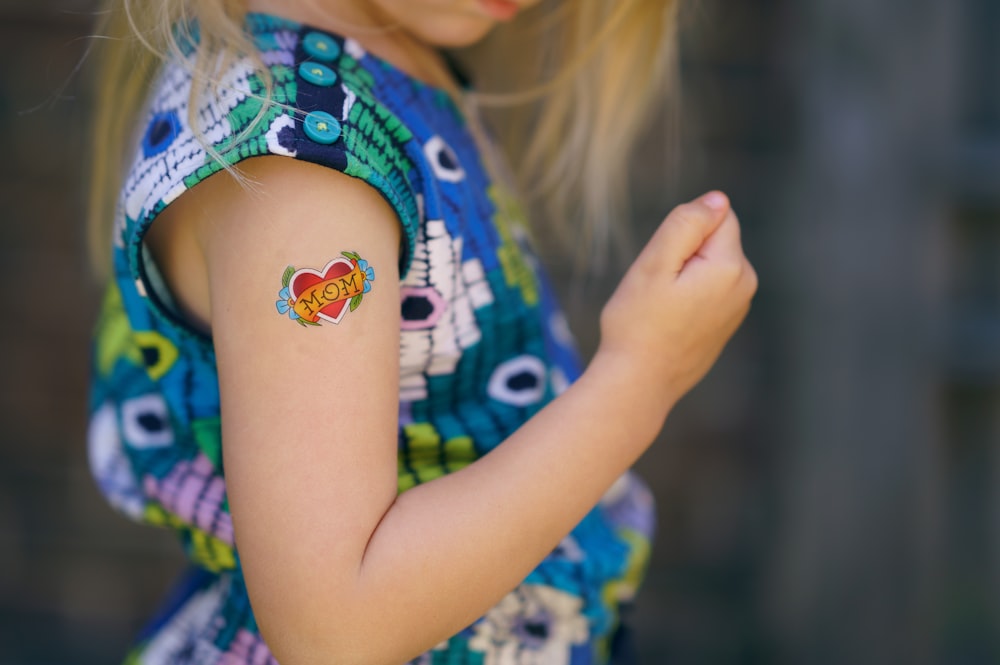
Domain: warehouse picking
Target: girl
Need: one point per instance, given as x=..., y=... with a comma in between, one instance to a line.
x=327, y=358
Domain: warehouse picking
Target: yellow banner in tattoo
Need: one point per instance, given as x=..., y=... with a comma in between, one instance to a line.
x=315, y=297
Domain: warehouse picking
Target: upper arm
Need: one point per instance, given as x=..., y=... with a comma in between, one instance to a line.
x=309, y=413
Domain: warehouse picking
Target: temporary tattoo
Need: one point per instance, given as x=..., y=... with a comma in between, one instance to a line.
x=308, y=295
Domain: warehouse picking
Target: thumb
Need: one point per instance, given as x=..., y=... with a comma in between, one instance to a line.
x=688, y=226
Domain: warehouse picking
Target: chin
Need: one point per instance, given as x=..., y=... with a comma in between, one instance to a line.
x=454, y=33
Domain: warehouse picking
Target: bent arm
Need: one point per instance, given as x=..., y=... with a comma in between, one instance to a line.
x=340, y=569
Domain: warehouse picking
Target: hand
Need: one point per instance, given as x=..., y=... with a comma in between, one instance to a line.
x=681, y=300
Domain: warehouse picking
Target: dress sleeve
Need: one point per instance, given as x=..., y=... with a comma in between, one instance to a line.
x=321, y=111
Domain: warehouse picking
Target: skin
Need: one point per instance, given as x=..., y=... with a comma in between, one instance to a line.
x=339, y=568
x=407, y=33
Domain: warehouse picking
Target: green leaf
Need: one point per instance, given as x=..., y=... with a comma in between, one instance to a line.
x=301, y=322
x=309, y=323
x=355, y=301
x=287, y=276
x=352, y=255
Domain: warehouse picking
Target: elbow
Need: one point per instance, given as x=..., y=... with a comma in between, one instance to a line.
x=296, y=648
x=314, y=639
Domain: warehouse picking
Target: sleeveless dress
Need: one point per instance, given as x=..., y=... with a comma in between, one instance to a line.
x=482, y=348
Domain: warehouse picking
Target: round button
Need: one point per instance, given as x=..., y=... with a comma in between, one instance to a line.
x=322, y=127
x=320, y=46
x=317, y=74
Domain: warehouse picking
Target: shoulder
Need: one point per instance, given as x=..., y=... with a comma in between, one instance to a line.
x=273, y=212
x=325, y=111
x=318, y=102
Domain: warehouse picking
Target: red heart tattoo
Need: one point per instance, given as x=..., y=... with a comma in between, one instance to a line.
x=304, y=279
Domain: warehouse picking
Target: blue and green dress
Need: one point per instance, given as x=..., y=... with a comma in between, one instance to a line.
x=482, y=347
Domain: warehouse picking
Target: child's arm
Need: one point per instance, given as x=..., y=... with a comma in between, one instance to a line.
x=340, y=569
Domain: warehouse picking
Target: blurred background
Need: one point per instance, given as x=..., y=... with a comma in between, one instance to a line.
x=830, y=494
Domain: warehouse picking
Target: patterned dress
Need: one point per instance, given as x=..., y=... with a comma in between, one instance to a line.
x=482, y=348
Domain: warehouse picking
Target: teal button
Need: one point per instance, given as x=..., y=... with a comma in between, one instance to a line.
x=320, y=46
x=321, y=127
x=317, y=74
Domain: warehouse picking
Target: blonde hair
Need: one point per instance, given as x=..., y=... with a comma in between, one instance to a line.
x=601, y=66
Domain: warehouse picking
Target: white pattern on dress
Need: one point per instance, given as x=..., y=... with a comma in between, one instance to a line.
x=436, y=352
x=532, y=625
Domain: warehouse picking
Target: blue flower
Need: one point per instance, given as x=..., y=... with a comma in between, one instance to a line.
x=369, y=274
x=284, y=305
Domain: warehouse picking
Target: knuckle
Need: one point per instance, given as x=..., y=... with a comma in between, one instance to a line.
x=750, y=277
x=730, y=271
x=687, y=214
x=737, y=227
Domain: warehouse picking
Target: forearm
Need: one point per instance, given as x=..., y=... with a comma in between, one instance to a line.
x=341, y=569
x=448, y=550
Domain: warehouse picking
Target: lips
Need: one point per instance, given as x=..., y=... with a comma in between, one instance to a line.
x=502, y=10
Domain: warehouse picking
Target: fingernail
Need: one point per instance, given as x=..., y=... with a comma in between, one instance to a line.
x=715, y=200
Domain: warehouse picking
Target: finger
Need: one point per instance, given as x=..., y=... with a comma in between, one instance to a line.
x=725, y=241
x=688, y=226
